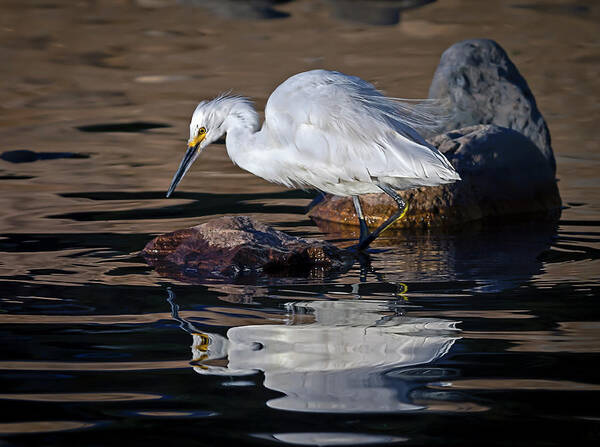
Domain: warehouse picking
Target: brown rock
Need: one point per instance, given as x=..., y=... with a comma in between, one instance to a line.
x=233, y=246
x=503, y=173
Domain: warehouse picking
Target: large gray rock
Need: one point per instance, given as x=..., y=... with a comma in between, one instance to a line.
x=503, y=173
x=233, y=246
x=485, y=87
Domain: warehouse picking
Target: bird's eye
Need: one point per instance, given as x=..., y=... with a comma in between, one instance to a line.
x=202, y=131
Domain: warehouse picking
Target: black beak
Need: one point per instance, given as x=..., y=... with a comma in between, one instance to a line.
x=190, y=155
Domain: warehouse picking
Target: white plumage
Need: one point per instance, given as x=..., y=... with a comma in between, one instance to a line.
x=339, y=134
x=324, y=130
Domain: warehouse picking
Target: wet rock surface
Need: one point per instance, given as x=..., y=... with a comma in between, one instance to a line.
x=229, y=247
x=485, y=87
x=503, y=173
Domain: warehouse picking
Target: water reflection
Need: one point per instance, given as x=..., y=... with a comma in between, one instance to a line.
x=349, y=359
x=492, y=258
x=88, y=339
x=497, y=257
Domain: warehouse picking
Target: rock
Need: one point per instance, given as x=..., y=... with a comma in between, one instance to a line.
x=503, y=173
x=233, y=246
x=485, y=87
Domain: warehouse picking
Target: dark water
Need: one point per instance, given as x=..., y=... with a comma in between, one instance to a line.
x=485, y=336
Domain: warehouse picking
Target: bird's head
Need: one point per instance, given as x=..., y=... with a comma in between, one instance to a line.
x=206, y=126
x=210, y=121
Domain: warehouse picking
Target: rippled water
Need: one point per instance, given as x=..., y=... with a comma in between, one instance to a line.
x=486, y=336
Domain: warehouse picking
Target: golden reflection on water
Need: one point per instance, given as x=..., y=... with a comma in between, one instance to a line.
x=8, y=428
x=452, y=407
x=8, y=365
x=517, y=384
x=80, y=397
x=211, y=316
x=569, y=336
x=519, y=314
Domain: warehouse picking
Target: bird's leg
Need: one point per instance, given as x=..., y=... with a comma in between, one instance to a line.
x=364, y=231
x=365, y=267
x=314, y=202
x=183, y=323
x=402, y=207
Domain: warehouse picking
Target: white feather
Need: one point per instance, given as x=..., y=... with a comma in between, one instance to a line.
x=333, y=132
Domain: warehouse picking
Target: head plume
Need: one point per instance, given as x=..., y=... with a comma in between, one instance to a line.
x=220, y=114
x=210, y=121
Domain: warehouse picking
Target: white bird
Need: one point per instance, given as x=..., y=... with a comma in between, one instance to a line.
x=326, y=130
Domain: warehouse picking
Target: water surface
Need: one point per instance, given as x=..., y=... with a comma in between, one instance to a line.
x=489, y=335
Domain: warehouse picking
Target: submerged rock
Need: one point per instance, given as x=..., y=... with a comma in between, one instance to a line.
x=233, y=246
x=502, y=171
x=485, y=87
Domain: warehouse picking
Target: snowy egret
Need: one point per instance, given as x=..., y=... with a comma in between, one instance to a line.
x=329, y=131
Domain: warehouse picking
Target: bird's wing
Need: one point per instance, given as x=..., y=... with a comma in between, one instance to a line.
x=343, y=125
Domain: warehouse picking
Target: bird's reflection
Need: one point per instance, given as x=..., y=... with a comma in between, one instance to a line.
x=349, y=359
x=495, y=257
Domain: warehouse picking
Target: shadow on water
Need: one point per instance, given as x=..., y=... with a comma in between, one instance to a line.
x=130, y=127
x=499, y=254
x=386, y=12
x=577, y=9
x=373, y=13
x=200, y=204
x=232, y=9
x=27, y=156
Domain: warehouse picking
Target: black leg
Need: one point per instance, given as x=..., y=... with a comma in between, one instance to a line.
x=402, y=207
x=364, y=231
x=364, y=262
x=183, y=323
x=314, y=202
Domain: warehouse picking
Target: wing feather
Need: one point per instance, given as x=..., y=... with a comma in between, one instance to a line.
x=343, y=129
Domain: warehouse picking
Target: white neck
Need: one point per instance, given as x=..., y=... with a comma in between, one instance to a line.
x=241, y=125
